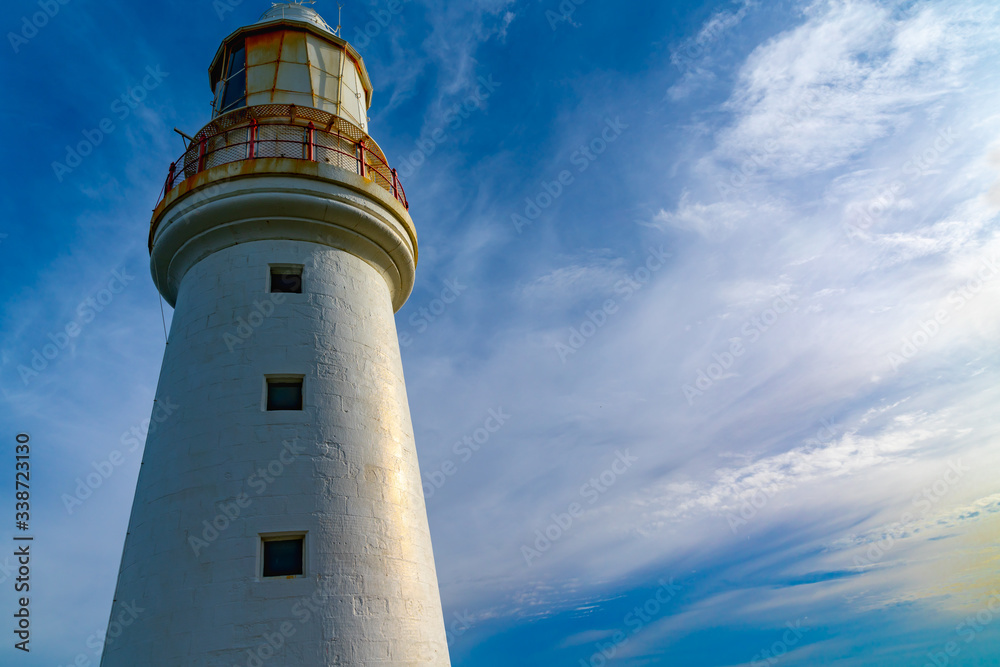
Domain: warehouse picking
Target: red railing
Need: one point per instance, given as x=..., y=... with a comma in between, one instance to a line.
x=284, y=131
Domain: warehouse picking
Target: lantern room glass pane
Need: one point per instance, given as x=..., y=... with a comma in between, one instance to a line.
x=236, y=90
x=234, y=95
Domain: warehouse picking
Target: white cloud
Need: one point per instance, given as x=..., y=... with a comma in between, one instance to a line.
x=712, y=221
x=815, y=461
x=927, y=526
x=886, y=80
x=876, y=71
x=853, y=73
x=696, y=57
x=595, y=275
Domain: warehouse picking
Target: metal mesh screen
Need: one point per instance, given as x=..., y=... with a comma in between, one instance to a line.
x=226, y=147
x=337, y=151
x=380, y=173
x=281, y=141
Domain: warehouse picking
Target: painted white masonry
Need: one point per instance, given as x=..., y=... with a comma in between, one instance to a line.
x=348, y=477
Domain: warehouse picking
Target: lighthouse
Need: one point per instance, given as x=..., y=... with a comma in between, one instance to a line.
x=279, y=516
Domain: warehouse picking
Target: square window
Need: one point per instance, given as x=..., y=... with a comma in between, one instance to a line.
x=284, y=393
x=283, y=556
x=286, y=279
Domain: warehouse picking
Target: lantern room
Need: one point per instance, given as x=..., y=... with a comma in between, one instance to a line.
x=291, y=56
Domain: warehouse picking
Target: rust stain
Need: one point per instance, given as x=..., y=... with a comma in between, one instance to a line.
x=289, y=166
x=281, y=45
x=264, y=48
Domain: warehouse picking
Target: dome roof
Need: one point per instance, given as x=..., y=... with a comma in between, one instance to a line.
x=295, y=12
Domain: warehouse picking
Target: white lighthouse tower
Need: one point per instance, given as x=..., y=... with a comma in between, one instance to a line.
x=279, y=516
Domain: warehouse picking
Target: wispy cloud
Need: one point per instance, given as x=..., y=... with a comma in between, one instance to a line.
x=842, y=154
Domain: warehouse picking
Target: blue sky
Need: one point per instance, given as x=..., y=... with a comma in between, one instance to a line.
x=728, y=269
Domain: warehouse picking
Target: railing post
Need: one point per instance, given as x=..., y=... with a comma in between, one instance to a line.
x=202, y=147
x=361, y=158
x=252, y=148
x=342, y=136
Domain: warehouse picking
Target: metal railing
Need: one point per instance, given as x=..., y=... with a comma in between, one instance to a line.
x=284, y=131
